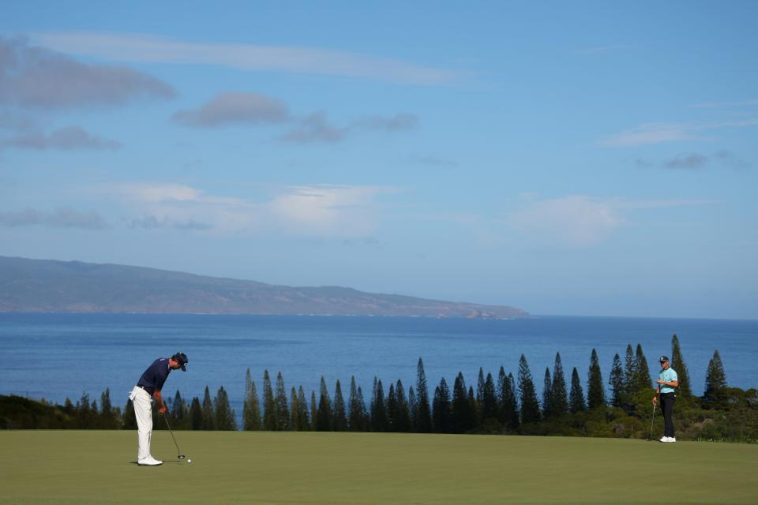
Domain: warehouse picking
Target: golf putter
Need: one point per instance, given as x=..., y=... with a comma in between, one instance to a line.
x=651, y=423
x=180, y=456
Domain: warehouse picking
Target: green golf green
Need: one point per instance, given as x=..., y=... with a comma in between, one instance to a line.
x=98, y=467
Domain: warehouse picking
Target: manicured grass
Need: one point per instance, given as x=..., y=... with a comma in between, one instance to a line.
x=97, y=467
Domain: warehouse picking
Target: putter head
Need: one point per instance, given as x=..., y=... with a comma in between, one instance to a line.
x=181, y=456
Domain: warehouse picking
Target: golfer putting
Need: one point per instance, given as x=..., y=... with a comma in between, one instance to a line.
x=148, y=388
x=667, y=381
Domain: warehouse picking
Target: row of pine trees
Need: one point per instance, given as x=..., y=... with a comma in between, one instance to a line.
x=497, y=404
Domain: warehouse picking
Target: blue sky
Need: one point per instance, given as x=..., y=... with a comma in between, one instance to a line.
x=591, y=158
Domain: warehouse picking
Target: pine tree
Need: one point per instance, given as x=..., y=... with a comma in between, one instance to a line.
x=595, y=391
x=489, y=400
x=304, y=421
x=643, y=382
x=378, y=408
x=511, y=414
x=547, y=391
x=576, y=400
x=224, y=415
x=413, y=409
x=677, y=363
x=392, y=410
x=558, y=395
x=402, y=420
x=108, y=415
x=616, y=382
x=357, y=416
x=462, y=415
x=129, y=421
x=423, y=413
x=479, y=401
x=530, y=407
x=630, y=373
x=208, y=422
x=339, y=422
x=251, y=410
x=314, y=412
x=294, y=410
x=179, y=412
x=325, y=415
x=196, y=414
x=715, y=395
x=441, y=421
x=280, y=402
x=269, y=404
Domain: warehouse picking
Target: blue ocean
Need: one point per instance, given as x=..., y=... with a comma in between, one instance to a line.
x=58, y=356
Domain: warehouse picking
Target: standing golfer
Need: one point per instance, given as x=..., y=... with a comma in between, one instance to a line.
x=667, y=381
x=148, y=388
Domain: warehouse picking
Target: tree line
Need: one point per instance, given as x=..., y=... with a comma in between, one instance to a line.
x=496, y=404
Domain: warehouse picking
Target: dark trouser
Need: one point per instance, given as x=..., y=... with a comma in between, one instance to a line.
x=667, y=407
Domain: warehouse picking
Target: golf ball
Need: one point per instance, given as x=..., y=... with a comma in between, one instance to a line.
x=189, y=461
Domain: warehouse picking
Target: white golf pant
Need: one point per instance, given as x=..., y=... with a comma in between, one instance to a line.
x=143, y=411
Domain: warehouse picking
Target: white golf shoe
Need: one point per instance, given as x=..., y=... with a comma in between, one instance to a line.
x=668, y=440
x=151, y=461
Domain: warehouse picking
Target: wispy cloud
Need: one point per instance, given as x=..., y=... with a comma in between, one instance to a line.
x=657, y=133
x=726, y=105
x=234, y=108
x=37, y=77
x=316, y=210
x=59, y=218
x=67, y=138
x=697, y=161
x=146, y=48
x=579, y=221
x=317, y=128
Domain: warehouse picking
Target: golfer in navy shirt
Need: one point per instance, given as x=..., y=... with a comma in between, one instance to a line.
x=148, y=388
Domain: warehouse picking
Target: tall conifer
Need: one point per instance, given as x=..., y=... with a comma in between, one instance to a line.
x=677, y=363
x=576, y=399
x=208, y=413
x=325, y=415
x=616, y=381
x=304, y=421
x=251, y=409
x=196, y=414
x=595, y=391
x=559, y=395
x=378, y=408
x=339, y=422
x=269, y=404
x=423, y=413
x=441, y=422
x=224, y=415
x=715, y=395
x=643, y=382
x=530, y=406
x=547, y=391
x=281, y=405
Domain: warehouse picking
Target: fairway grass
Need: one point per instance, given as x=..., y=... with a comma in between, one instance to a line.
x=97, y=467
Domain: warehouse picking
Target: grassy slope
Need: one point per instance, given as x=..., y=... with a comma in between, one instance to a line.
x=96, y=467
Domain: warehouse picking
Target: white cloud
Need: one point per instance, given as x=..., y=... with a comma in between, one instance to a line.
x=145, y=48
x=58, y=218
x=330, y=210
x=657, y=133
x=318, y=210
x=579, y=221
x=576, y=221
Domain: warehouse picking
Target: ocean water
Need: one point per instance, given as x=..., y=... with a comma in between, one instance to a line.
x=58, y=356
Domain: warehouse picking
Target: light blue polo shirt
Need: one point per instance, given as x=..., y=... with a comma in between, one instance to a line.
x=668, y=375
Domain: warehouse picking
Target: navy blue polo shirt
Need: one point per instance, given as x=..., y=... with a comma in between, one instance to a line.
x=155, y=376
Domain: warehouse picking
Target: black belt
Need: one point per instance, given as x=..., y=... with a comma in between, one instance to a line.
x=146, y=389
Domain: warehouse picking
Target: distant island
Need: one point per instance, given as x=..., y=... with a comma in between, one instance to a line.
x=28, y=285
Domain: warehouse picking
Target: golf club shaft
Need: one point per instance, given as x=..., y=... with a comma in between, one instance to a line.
x=165, y=417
